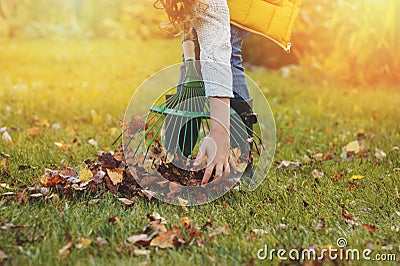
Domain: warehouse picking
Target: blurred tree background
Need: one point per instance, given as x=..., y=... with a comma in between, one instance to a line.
x=340, y=40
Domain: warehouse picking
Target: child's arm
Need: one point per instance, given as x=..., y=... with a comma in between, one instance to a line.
x=217, y=143
x=213, y=32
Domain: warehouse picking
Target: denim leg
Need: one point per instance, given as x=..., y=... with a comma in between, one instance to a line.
x=240, y=88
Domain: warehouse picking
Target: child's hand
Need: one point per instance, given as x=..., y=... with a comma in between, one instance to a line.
x=216, y=145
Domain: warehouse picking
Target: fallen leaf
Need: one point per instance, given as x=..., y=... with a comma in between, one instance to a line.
x=223, y=229
x=316, y=174
x=352, y=185
x=85, y=175
x=92, y=142
x=288, y=164
x=6, y=226
x=34, y=132
x=258, y=232
x=6, y=138
x=370, y=227
x=353, y=146
x=194, y=233
x=158, y=226
x=186, y=221
x=83, y=242
x=156, y=216
x=62, y=146
x=119, y=154
x=64, y=252
x=356, y=177
x=126, y=202
x=138, y=238
x=337, y=177
x=318, y=156
x=380, y=155
x=141, y=252
x=100, y=241
x=115, y=175
x=346, y=215
x=168, y=239
x=92, y=201
x=4, y=185
x=36, y=195
x=107, y=160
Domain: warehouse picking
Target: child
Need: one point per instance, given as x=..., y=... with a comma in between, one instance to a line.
x=211, y=20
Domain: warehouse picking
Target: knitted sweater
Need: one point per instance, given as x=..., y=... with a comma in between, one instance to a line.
x=212, y=25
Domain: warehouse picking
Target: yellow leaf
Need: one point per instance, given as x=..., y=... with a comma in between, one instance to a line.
x=85, y=175
x=357, y=177
x=186, y=221
x=34, y=132
x=353, y=146
x=3, y=163
x=84, y=242
x=4, y=185
x=115, y=175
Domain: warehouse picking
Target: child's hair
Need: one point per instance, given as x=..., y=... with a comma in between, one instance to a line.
x=179, y=11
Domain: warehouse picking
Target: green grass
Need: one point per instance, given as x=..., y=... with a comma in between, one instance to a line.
x=85, y=86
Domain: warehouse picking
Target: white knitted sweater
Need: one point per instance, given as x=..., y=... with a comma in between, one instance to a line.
x=212, y=25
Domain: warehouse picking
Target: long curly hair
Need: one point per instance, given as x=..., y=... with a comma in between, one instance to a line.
x=180, y=12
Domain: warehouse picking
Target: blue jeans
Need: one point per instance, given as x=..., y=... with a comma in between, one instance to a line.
x=240, y=89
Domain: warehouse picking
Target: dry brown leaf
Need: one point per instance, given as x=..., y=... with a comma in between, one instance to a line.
x=126, y=202
x=116, y=175
x=141, y=252
x=100, y=241
x=169, y=239
x=138, y=238
x=119, y=154
x=223, y=229
x=158, y=226
x=337, y=177
x=370, y=227
x=380, y=155
x=68, y=172
x=34, y=132
x=346, y=215
x=317, y=174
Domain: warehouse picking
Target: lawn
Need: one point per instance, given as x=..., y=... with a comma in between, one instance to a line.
x=70, y=91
